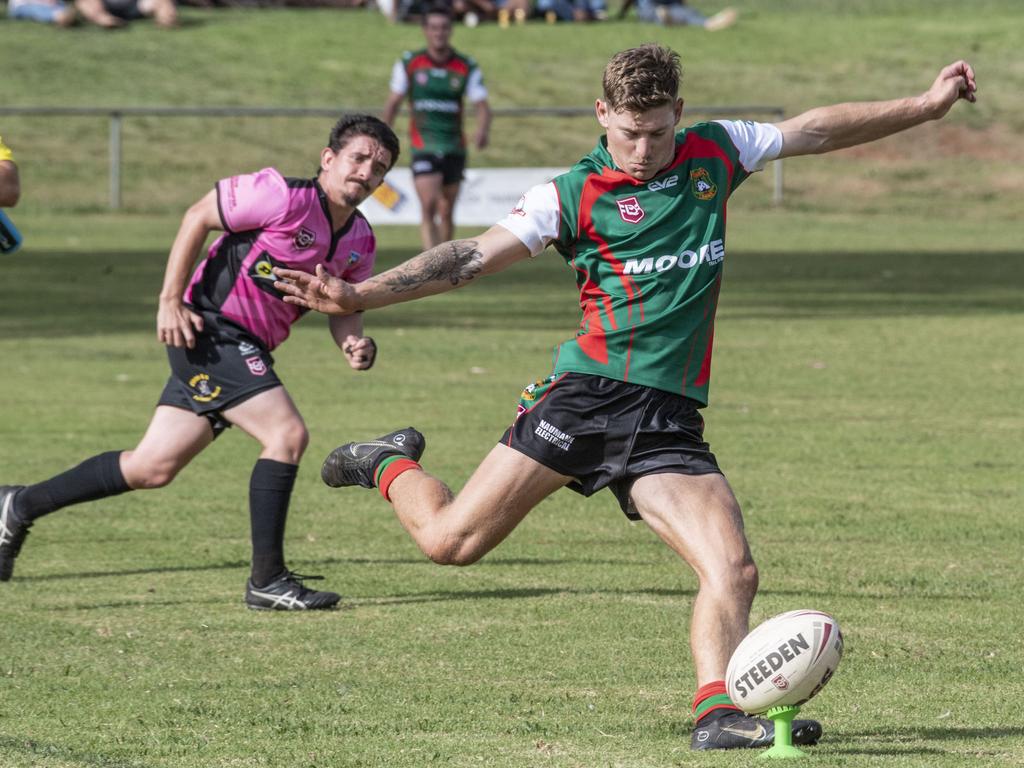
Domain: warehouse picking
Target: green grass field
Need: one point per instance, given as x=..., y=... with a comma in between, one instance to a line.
x=866, y=406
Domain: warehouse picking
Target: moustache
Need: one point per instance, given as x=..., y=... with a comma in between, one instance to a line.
x=360, y=182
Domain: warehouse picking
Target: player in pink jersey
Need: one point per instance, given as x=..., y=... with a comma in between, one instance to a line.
x=220, y=328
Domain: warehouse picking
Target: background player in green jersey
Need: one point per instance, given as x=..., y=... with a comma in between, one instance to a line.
x=437, y=79
x=640, y=220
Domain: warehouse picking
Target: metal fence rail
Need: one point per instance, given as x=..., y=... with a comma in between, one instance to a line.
x=117, y=115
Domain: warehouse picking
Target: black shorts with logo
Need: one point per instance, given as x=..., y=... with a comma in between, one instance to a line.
x=450, y=166
x=607, y=433
x=226, y=367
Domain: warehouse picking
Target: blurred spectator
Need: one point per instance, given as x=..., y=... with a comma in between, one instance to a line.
x=44, y=11
x=10, y=184
x=509, y=10
x=472, y=12
x=10, y=191
x=116, y=13
x=572, y=10
x=677, y=13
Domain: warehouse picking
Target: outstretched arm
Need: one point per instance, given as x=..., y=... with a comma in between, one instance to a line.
x=845, y=125
x=443, y=268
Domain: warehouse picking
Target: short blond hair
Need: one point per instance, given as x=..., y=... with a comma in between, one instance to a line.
x=642, y=78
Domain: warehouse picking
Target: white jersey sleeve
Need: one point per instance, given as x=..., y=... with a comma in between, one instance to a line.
x=475, y=88
x=535, y=218
x=399, y=78
x=758, y=143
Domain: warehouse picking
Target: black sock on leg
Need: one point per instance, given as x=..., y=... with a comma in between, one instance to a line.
x=96, y=478
x=270, y=490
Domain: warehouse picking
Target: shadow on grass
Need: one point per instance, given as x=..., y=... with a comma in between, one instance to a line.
x=241, y=564
x=89, y=294
x=48, y=751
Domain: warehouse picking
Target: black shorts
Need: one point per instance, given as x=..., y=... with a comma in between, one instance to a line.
x=124, y=9
x=607, y=433
x=226, y=367
x=450, y=166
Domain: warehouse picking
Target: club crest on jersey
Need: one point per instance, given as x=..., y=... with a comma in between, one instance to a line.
x=520, y=208
x=304, y=238
x=703, y=187
x=422, y=77
x=630, y=210
x=256, y=366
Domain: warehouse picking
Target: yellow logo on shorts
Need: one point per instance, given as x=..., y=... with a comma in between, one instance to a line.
x=201, y=383
x=703, y=187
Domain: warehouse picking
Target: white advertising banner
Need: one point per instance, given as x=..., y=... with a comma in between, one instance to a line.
x=487, y=194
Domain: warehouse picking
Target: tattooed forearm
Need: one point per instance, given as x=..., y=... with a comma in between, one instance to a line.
x=456, y=262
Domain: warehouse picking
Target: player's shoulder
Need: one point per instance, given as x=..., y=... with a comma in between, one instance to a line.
x=569, y=185
x=417, y=55
x=267, y=179
x=361, y=223
x=708, y=129
x=465, y=58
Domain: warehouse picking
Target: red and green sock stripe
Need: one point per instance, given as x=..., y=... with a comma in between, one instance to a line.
x=389, y=468
x=712, y=700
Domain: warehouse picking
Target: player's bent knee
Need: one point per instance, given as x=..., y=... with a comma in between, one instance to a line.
x=735, y=580
x=150, y=477
x=290, y=443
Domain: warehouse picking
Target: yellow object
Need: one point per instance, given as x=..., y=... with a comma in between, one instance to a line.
x=503, y=18
x=5, y=153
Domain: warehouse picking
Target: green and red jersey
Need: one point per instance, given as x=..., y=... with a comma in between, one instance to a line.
x=436, y=91
x=647, y=255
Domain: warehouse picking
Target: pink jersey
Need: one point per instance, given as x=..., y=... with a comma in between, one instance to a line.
x=272, y=221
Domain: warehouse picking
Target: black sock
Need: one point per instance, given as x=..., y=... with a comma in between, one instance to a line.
x=270, y=490
x=95, y=478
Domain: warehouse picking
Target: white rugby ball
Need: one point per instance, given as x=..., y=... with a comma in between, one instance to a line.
x=785, y=661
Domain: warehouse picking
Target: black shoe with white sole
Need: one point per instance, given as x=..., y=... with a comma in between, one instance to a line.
x=13, y=530
x=287, y=593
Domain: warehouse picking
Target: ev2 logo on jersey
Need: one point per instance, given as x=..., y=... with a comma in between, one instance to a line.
x=661, y=184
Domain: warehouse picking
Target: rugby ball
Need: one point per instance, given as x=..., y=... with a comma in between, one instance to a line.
x=785, y=661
